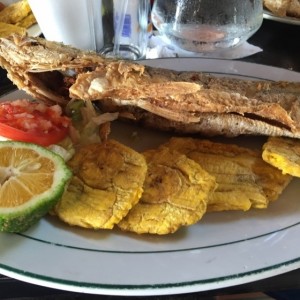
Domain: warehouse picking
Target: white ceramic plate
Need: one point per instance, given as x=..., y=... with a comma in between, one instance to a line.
x=288, y=20
x=223, y=249
x=34, y=30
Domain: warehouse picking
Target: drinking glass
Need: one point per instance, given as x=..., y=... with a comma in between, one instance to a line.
x=207, y=25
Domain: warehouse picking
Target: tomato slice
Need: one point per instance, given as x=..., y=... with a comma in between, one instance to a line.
x=29, y=121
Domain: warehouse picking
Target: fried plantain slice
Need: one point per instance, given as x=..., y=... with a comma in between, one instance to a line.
x=176, y=191
x=107, y=182
x=27, y=21
x=8, y=29
x=284, y=154
x=15, y=12
x=244, y=180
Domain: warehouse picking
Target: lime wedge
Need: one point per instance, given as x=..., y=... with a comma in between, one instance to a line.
x=32, y=180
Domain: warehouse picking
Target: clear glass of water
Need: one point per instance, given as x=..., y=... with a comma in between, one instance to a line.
x=207, y=25
x=125, y=28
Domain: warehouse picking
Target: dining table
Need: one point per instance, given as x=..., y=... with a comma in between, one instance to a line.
x=280, y=44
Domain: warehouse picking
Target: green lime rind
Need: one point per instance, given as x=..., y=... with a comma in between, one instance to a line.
x=21, y=218
x=25, y=219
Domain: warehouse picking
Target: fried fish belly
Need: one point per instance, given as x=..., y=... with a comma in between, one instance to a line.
x=284, y=154
x=176, y=191
x=108, y=181
x=244, y=180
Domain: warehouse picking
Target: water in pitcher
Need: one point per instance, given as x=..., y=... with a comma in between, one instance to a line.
x=207, y=25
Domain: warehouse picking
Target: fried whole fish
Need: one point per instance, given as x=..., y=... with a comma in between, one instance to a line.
x=283, y=8
x=244, y=180
x=176, y=191
x=107, y=182
x=163, y=99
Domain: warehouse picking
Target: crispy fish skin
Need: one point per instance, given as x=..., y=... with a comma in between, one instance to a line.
x=273, y=108
x=294, y=9
x=189, y=108
x=176, y=191
x=284, y=154
x=108, y=181
x=40, y=67
x=187, y=101
x=272, y=104
x=209, y=124
x=127, y=80
x=283, y=8
x=244, y=180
